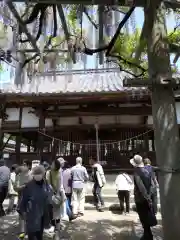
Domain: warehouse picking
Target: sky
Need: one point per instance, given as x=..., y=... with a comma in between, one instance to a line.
x=6, y=75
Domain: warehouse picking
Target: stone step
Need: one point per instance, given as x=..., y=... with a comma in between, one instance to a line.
x=109, y=188
x=111, y=198
x=109, y=206
x=114, y=207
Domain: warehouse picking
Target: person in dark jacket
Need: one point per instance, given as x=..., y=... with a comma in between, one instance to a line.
x=154, y=196
x=4, y=183
x=34, y=205
x=142, y=196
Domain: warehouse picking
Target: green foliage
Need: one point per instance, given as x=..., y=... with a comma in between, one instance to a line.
x=127, y=44
x=125, y=47
x=72, y=15
x=174, y=37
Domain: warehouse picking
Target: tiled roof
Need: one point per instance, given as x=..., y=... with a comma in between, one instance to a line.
x=100, y=82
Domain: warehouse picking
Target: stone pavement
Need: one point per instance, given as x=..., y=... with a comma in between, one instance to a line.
x=94, y=225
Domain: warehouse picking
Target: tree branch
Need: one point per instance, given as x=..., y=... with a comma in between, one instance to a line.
x=23, y=26
x=66, y=32
x=124, y=20
x=89, y=18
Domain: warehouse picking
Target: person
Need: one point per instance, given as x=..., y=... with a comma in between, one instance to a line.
x=27, y=163
x=4, y=183
x=34, y=164
x=142, y=196
x=49, y=229
x=11, y=192
x=124, y=184
x=79, y=178
x=23, y=176
x=67, y=184
x=46, y=165
x=34, y=204
x=154, y=188
x=64, y=215
x=99, y=180
x=54, y=179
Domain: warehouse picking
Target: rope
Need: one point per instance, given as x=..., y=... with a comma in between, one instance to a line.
x=94, y=144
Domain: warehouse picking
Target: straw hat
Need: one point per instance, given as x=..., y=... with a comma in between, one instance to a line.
x=137, y=161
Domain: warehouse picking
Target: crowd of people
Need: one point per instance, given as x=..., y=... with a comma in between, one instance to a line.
x=42, y=193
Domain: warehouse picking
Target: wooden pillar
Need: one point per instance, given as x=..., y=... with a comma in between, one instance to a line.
x=55, y=142
x=2, y=118
x=18, y=138
x=41, y=136
x=18, y=148
x=1, y=142
x=1, y=138
x=29, y=146
x=35, y=145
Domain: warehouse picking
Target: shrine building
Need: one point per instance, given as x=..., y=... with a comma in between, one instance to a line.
x=84, y=113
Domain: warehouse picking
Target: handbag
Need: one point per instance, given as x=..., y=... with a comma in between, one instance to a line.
x=56, y=200
x=56, y=197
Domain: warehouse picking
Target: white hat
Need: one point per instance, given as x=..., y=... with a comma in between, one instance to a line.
x=137, y=161
x=61, y=160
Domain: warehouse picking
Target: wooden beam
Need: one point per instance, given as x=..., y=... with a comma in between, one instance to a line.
x=18, y=138
x=84, y=127
x=41, y=128
x=54, y=143
x=147, y=82
x=99, y=111
x=126, y=3
x=2, y=118
x=61, y=99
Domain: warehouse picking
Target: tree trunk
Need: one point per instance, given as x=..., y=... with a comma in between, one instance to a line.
x=165, y=120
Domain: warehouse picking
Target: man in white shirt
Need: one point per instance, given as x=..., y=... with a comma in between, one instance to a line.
x=124, y=184
x=13, y=195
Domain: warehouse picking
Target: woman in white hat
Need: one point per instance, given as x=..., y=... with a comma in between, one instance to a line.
x=142, y=197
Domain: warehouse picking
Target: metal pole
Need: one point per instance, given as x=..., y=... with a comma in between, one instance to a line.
x=97, y=142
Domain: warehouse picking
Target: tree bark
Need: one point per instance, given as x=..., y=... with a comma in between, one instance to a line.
x=165, y=120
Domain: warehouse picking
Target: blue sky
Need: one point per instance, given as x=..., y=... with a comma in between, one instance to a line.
x=6, y=75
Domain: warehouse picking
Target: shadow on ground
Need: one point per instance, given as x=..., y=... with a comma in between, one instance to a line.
x=99, y=229
x=105, y=230
x=111, y=228
x=8, y=227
